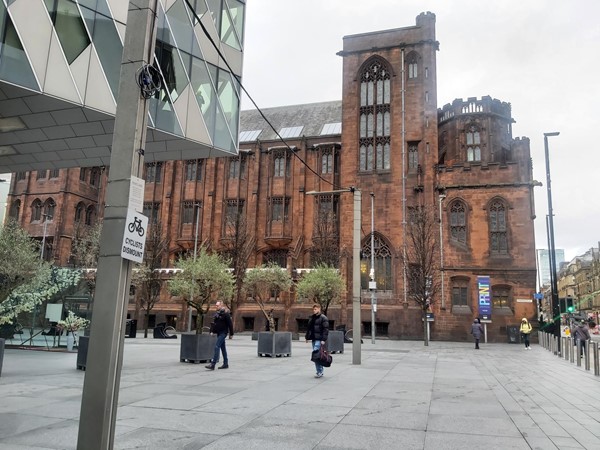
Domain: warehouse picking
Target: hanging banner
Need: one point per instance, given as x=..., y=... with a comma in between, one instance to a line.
x=485, y=298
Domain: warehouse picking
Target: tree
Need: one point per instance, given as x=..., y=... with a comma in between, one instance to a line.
x=201, y=280
x=264, y=283
x=323, y=285
x=85, y=251
x=237, y=246
x=146, y=276
x=421, y=260
x=326, y=237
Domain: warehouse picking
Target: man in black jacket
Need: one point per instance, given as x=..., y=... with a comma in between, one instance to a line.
x=318, y=332
x=220, y=326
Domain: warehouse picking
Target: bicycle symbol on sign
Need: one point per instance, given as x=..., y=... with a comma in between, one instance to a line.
x=136, y=225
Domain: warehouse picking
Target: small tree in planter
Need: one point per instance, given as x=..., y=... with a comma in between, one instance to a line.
x=201, y=280
x=325, y=286
x=264, y=283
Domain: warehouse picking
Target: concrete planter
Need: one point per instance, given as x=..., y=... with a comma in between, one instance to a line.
x=82, y=352
x=276, y=344
x=197, y=348
x=335, y=342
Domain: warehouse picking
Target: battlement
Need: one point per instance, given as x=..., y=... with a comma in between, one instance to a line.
x=472, y=105
x=425, y=17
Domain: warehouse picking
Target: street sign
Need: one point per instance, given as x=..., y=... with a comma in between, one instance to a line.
x=134, y=237
x=136, y=194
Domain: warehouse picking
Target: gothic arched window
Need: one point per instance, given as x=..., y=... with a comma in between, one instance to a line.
x=412, y=65
x=383, y=264
x=458, y=222
x=36, y=210
x=473, y=144
x=15, y=208
x=375, y=119
x=498, y=227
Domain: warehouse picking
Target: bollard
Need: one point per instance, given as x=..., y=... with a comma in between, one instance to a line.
x=596, y=362
x=567, y=348
x=578, y=353
x=563, y=345
x=572, y=349
x=587, y=354
x=555, y=345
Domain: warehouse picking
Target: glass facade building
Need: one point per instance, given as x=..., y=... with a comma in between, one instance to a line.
x=60, y=65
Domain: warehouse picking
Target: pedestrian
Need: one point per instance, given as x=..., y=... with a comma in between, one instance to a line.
x=582, y=334
x=318, y=332
x=477, y=331
x=220, y=326
x=525, y=332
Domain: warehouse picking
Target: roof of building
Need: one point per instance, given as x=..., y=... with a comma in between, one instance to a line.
x=310, y=120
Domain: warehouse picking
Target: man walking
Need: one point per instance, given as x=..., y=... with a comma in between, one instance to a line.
x=220, y=326
x=318, y=332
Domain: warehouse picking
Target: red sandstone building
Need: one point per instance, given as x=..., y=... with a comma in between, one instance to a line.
x=387, y=137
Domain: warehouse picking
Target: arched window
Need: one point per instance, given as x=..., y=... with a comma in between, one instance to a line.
x=327, y=161
x=498, y=227
x=36, y=210
x=90, y=214
x=458, y=222
x=383, y=264
x=473, y=140
x=79, y=212
x=412, y=65
x=49, y=206
x=375, y=120
x=15, y=208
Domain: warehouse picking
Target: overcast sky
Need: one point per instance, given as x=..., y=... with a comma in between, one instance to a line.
x=542, y=56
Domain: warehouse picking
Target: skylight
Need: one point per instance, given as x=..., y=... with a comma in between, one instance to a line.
x=248, y=136
x=290, y=132
x=332, y=128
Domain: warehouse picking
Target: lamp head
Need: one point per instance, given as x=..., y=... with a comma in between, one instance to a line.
x=553, y=133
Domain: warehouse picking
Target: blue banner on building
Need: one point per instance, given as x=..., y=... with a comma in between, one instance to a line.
x=485, y=298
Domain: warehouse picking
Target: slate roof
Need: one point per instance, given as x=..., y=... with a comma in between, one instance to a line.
x=312, y=117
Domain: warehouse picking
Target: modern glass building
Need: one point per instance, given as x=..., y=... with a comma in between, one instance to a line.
x=59, y=76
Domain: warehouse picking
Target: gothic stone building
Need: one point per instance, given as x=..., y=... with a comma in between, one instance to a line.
x=386, y=137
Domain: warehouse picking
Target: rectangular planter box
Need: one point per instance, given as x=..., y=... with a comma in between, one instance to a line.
x=335, y=342
x=275, y=344
x=197, y=348
x=82, y=351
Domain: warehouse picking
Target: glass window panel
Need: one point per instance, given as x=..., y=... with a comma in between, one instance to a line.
x=203, y=75
x=180, y=25
x=386, y=90
x=363, y=126
x=69, y=27
x=14, y=66
x=379, y=93
x=215, y=11
x=96, y=5
x=370, y=157
x=469, y=138
x=370, y=125
x=363, y=157
x=108, y=45
x=363, y=94
x=386, y=156
x=232, y=23
x=379, y=156
x=229, y=101
x=370, y=93
x=386, y=124
x=476, y=138
x=379, y=124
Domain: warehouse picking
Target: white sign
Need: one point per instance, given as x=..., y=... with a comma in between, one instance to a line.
x=134, y=237
x=524, y=300
x=136, y=194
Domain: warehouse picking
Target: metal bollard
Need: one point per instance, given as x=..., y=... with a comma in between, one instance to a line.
x=587, y=354
x=578, y=353
x=567, y=348
x=563, y=345
x=572, y=350
x=596, y=362
x=555, y=345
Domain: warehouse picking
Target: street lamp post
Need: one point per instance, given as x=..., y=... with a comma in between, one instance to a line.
x=356, y=337
x=373, y=283
x=553, y=284
x=189, y=324
x=441, y=199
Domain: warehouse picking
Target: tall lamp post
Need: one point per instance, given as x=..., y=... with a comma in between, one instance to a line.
x=356, y=337
x=189, y=322
x=553, y=285
x=373, y=283
x=441, y=199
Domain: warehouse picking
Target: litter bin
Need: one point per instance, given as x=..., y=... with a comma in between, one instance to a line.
x=514, y=336
x=131, y=328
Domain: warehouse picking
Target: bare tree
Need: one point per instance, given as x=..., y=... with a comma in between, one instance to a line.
x=326, y=249
x=237, y=246
x=146, y=276
x=85, y=250
x=422, y=263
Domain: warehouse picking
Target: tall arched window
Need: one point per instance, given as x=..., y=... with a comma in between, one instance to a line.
x=498, y=227
x=79, y=212
x=49, y=206
x=89, y=215
x=375, y=120
x=383, y=264
x=473, y=139
x=412, y=65
x=15, y=208
x=458, y=222
x=36, y=210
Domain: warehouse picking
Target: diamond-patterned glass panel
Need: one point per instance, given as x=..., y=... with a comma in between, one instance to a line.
x=14, y=65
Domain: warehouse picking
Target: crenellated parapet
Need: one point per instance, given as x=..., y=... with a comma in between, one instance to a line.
x=472, y=106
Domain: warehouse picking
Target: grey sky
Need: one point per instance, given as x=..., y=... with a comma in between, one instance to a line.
x=539, y=55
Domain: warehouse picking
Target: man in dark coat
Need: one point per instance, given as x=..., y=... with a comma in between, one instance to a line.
x=318, y=332
x=220, y=326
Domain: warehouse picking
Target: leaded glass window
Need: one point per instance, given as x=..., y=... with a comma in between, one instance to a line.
x=279, y=208
x=501, y=297
x=375, y=118
x=498, y=228
x=89, y=215
x=458, y=222
x=36, y=210
x=79, y=212
x=154, y=172
x=413, y=156
x=473, y=139
x=151, y=211
x=383, y=264
x=15, y=208
x=193, y=170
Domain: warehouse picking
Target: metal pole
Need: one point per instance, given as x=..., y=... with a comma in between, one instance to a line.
x=105, y=354
x=372, y=285
x=356, y=322
x=596, y=362
x=587, y=354
x=441, y=198
x=554, y=287
x=189, y=324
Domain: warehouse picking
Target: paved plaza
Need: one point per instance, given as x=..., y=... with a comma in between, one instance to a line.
x=403, y=396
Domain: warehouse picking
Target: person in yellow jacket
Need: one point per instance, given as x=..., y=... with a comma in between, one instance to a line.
x=525, y=332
